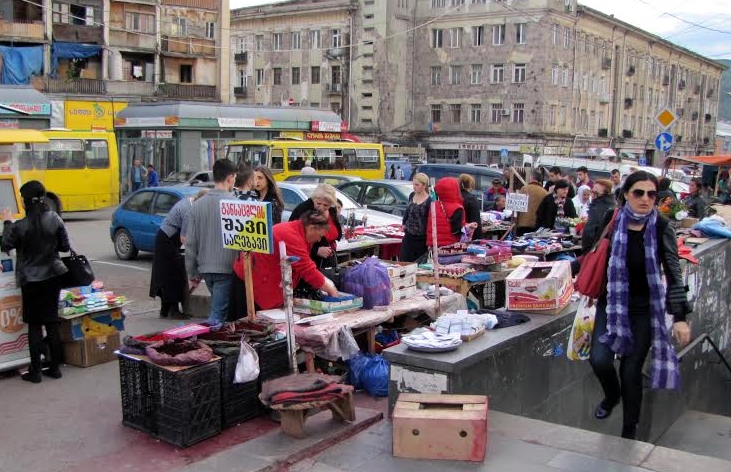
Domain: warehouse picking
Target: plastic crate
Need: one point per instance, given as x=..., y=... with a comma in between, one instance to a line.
x=489, y=295
x=273, y=359
x=239, y=402
x=186, y=404
x=135, y=393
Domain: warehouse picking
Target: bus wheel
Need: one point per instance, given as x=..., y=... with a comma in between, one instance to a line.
x=124, y=247
x=54, y=205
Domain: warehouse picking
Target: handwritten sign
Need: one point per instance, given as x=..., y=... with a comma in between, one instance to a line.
x=247, y=226
x=516, y=202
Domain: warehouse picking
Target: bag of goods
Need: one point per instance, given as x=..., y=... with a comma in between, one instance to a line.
x=370, y=281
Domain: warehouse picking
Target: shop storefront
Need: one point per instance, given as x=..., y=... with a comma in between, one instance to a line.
x=191, y=136
x=23, y=107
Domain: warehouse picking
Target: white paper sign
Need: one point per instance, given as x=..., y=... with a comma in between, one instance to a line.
x=516, y=202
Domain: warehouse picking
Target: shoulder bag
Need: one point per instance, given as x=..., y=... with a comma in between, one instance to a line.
x=592, y=278
x=79, y=272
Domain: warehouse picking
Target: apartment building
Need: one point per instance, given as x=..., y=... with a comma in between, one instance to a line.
x=117, y=50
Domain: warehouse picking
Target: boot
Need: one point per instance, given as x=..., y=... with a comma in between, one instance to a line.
x=175, y=313
x=164, y=309
x=54, y=372
x=32, y=376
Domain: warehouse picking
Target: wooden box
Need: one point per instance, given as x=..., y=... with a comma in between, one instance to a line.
x=435, y=426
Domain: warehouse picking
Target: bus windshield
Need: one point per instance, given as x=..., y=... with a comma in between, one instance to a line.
x=256, y=155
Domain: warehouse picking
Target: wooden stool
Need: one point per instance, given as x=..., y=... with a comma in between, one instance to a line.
x=292, y=417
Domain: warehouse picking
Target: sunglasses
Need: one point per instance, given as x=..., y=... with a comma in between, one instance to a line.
x=639, y=193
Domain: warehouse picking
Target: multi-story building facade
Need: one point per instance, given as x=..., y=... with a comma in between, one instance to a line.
x=123, y=50
x=470, y=79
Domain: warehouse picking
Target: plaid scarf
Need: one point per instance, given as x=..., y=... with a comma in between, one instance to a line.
x=664, y=370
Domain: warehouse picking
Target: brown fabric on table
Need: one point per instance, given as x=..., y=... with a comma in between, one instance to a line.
x=326, y=393
x=298, y=383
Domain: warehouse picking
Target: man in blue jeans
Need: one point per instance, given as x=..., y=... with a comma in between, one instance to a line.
x=205, y=256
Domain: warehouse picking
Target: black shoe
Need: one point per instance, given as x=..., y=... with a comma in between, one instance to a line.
x=176, y=314
x=163, y=313
x=629, y=431
x=53, y=372
x=32, y=376
x=604, y=409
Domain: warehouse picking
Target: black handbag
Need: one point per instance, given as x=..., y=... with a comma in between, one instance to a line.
x=334, y=272
x=79, y=271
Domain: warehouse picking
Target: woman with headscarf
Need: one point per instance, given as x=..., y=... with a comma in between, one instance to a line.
x=582, y=200
x=413, y=245
x=630, y=315
x=37, y=240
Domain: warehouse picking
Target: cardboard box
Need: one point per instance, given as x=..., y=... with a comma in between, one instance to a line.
x=317, y=307
x=403, y=293
x=90, y=325
x=435, y=426
x=539, y=286
x=91, y=351
x=398, y=270
x=403, y=282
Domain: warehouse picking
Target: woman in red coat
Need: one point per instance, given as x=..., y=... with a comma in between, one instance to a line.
x=298, y=236
x=450, y=214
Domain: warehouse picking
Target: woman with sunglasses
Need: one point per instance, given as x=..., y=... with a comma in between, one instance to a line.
x=602, y=202
x=630, y=316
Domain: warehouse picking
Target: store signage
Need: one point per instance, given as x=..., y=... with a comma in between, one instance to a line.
x=11, y=314
x=159, y=134
x=244, y=122
x=139, y=122
x=247, y=226
x=327, y=126
x=516, y=202
x=86, y=115
x=9, y=124
x=292, y=134
x=318, y=136
x=11, y=108
x=475, y=146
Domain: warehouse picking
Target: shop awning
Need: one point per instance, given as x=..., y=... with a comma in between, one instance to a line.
x=601, y=152
x=706, y=160
x=22, y=136
x=22, y=100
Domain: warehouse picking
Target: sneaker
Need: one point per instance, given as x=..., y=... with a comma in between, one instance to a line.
x=604, y=409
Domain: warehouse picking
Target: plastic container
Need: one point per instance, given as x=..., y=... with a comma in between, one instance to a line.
x=273, y=359
x=135, y=393
x=239, y=402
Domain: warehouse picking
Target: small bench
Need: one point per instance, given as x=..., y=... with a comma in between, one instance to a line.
x=292, y=417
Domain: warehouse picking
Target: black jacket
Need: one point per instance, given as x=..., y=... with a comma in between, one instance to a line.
x=696, y=206
x=472, y=212
x=276, y=209
x=37, y=249
x=594, y=223
x=547, y=210
x=323, y=242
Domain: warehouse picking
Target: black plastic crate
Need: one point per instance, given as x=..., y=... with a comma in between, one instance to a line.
x=135, y=393
x=239, y=402
x=273, y=359
x=186, y=404
x=489, y=295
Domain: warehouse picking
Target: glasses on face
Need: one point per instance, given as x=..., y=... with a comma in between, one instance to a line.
x=639, y=193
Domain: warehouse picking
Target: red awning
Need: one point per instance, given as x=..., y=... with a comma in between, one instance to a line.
x=706, y=160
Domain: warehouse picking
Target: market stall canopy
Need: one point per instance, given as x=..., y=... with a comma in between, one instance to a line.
x=706, y=160
x=22, y=136
x=601, y=152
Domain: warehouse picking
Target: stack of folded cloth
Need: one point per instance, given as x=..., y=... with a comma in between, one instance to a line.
x=301, y=388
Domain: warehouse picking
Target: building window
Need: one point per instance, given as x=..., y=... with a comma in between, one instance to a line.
x=75, y=14
x=519, y=73
x=315, y=39
x=585, y=82
x=496, y=113
x=259, y=42
x=518, y=112
x=498, y=34
x=179, y=27
x=455, y=37
x=476, y=73
x=520, y=32
x=259, y=76
x=567, y=37
x=456, y=3
x=565, y=77
x=295, y=75
x=593, y=84
x=498, y=74
x=552, y=115
x=277, y=41
x=210, y=30
x=475, y=113
x=554, y=75
x=456, y=112
x=478, y=35
x=438, y=3
x=436, y=113
x=240, y=44
x=436, y=75
x=554, y=33
x=315, y=75
x=437, y=38
x=336, y=75
x=241, y=78
x=296, y=40
x=141, y=22
x=277, y=76
x=454, y=75
x=186, y=74
x=563, y=116
x=337, y=38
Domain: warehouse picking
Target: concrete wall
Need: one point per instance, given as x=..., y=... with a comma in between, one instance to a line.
x=529, y=375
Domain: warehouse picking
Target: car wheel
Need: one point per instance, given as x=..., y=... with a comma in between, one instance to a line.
x=124, y=247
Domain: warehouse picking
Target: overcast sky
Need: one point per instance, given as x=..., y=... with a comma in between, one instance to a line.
x=688, y=23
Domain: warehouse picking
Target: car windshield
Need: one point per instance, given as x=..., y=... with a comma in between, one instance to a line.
x=404, y=189
x=178, y=176
x=348, y=203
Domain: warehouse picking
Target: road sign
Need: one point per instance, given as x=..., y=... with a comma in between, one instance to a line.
x=290, y=102
x=642, y=161
x=665, y=118
x=664, y=142
x=504, y=153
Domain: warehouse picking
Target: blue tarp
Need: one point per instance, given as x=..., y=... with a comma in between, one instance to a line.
x=20, y=63
x=62, y=50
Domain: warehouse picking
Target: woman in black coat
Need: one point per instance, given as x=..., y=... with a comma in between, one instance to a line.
x=554, y=203
x=470, y=203
x=602, y=202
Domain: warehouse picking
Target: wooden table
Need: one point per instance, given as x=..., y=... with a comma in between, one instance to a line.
x=460, y=285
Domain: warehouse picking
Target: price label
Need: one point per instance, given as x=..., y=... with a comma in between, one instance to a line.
x=11, y=314
x=516, y=202
x=247, y=226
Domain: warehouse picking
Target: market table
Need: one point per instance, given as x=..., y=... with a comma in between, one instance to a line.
x=345, y=249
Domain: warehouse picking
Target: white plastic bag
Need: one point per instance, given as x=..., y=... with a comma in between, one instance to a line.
x=579, y=344
x=247, y=367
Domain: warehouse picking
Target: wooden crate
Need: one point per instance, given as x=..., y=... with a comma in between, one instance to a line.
x=436, y=426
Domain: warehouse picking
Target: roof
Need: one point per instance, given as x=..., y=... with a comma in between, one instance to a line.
x=707, y=160
x=20, y=100
x=205, y=110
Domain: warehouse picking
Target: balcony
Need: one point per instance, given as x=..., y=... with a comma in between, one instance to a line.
x=240, y=57
x=187, y=91
x=132, y=40
x=334, y=89
x=604, y=98
x=77, y=33
x=188, y=46
x=62, y=85
x=240, y=91
x=130, y=88
x=21, y=30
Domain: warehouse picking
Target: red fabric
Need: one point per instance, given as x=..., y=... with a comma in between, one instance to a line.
x=450, y=200
x=332, y=234
x=239, y=266
x=268, y=276
x=685, y=252
x=330, y=392
x=501, y=191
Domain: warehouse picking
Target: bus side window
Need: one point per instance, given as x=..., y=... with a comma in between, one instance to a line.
x=296, y=159
x=277, y=156
x=97, y=154
x=349, y=160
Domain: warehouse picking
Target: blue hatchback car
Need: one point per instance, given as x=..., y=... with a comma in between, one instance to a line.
x=136, y=220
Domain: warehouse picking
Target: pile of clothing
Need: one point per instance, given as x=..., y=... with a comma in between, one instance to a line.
x=302, y=388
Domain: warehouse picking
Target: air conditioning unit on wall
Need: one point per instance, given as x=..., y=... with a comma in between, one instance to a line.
x=505, y=112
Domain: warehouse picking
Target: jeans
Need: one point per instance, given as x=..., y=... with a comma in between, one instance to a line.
x=629, y=385
x=136, y=186
x=220, y=287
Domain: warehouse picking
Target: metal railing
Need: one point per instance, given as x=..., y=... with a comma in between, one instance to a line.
x=130, y=87
x=21, y=29
x=65, y=85
x=699, y=340
x=187, y=91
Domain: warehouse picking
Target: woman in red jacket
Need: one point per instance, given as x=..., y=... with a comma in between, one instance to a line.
x=450, y=214
x=299, y=236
